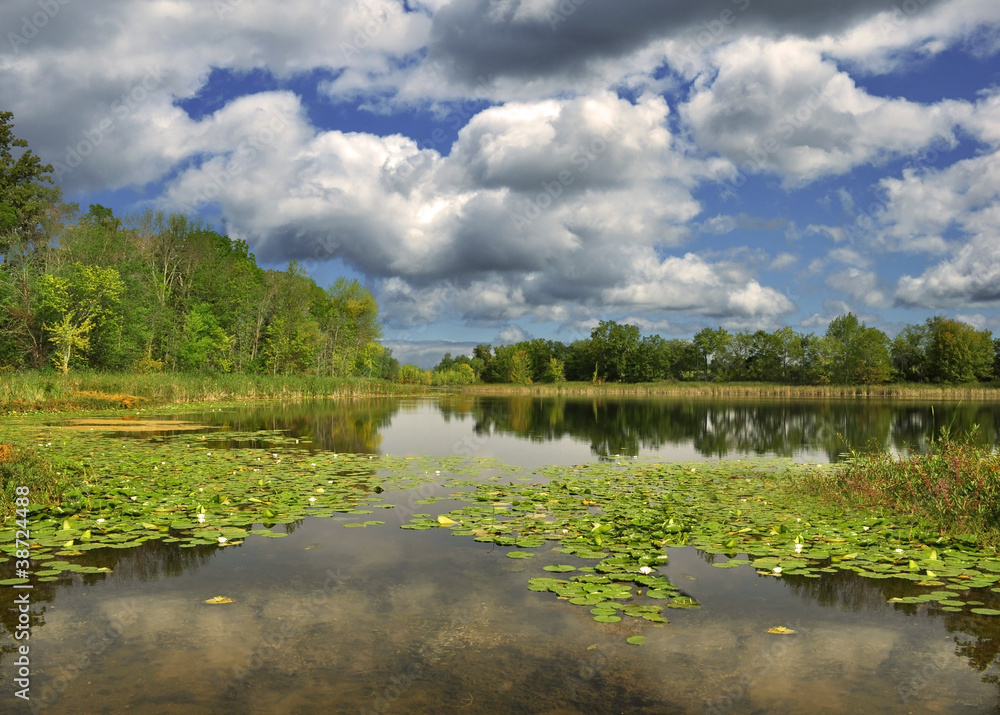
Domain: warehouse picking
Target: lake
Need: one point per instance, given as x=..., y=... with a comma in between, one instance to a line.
x=386, y=619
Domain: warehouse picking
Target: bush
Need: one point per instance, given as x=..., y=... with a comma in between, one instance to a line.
x=955, y=486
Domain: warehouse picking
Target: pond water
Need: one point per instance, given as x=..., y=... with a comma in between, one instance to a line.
x=382, y=619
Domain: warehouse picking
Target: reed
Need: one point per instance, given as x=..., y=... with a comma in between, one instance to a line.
x=955, y=486
x=21, y=392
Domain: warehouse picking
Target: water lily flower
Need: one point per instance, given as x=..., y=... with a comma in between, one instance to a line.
x=312, y=498
x=777, y=569
x=209, y=454
x=223, y=539
x=273, y=454
x=899, y=551
x=865, y=528
x=100, y=521
x=645, y=570
x=201, y=518
x=134, y=498
x=314, y=464
x=798, y=548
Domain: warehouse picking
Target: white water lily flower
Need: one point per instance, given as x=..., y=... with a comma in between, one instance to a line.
x=645, y=570
x=209, y=454
x=312, y=498
x=899, y=551
x=134, y=498
x=223, y=539
x=865, y=528
x=798, y=548
x=273, y=454
x=777, y=569
x=100, y=521
x=314, y=464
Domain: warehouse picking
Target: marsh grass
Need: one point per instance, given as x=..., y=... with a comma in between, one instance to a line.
x=25, y=467
x=23, y=392
x=955, y=487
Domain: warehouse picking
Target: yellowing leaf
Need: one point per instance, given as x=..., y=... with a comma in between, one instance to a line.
x=445, y=521
x=780, y=630
x=219, y=599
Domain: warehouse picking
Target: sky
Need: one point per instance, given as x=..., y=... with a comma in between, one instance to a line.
x=494, y=170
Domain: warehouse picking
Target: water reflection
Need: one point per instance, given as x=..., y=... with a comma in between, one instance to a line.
x=811, y=429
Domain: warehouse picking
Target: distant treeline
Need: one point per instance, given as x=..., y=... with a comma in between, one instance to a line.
x=940, y=350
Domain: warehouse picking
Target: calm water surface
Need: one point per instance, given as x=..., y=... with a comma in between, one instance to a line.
x=386, y=620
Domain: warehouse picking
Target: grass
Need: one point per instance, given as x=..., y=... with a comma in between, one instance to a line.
x=23, y=392
x=747, y=389
x=955, y=486
x=24, y=467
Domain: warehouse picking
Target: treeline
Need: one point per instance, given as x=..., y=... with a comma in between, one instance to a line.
x=940, y=350
x=153, y=292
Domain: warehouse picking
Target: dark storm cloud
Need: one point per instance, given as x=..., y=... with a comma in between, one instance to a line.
x=480, y=38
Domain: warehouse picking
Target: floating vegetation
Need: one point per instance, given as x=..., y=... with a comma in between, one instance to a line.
x=595, y=535
x=219, y=600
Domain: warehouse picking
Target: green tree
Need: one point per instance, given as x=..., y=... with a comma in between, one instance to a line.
x=957, y=352
x=66, y=335
x=614, y=348
x=24, y=197
x=713, y=349
x=205, y=345
x=855, y=353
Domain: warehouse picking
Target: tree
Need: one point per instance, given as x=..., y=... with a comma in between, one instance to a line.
x=712, y=346
x=855, y=353
x=614, y=348
x=957, y=352
x=66, y=335
x=24, y=197
x=204, y=344
x=84, y=296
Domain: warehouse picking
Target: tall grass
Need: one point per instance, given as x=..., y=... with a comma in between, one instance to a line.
x=41, y=391
x=955, y=486
x=24, y=467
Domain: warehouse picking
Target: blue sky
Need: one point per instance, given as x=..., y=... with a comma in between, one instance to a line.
x=501, y=169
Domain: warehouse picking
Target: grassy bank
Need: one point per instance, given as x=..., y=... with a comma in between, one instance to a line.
x=903, y=391
x=955, y=487
x=21, y=392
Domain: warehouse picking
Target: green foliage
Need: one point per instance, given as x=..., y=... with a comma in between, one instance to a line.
x=956, y=485
x=24, y=198
x=853, y=353
x=205, y=345
x=410, y=374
